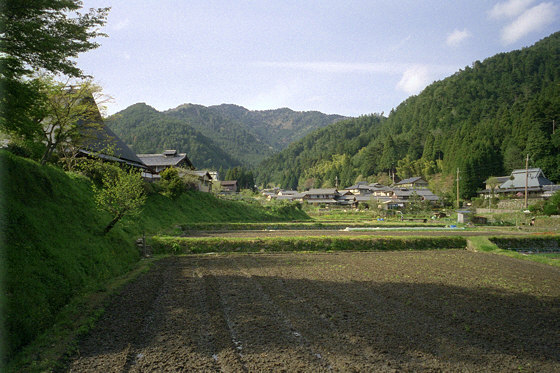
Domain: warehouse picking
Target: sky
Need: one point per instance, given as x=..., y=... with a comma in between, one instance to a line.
x=350, y=57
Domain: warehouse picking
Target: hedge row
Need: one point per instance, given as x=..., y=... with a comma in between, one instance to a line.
x=527, y=242
x=185, y=245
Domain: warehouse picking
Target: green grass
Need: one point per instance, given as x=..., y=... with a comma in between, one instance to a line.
x=484, y=244
x=53, y=249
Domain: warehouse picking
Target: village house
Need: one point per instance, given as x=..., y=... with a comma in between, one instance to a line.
x=229, y=186
x=321, y=196
x=538, y=186
x=203, y=179
x=100, y=142
x=167, y=159
x=287, y=195
x=412, y=183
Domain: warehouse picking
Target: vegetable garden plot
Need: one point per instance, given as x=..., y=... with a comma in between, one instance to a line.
x=375, y=311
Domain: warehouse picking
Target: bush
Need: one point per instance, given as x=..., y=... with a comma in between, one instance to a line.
x=552, y=206
x=167, y=244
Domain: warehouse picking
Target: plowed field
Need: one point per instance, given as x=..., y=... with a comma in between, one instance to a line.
x=389, y=311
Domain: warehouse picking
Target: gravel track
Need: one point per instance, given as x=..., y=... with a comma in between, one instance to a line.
x=386, y=311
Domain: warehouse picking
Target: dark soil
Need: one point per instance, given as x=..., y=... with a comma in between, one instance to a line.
x=377, y=311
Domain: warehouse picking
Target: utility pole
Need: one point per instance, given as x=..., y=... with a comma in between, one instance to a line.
x=457, y=188
x=526, y=178
x=553, y=126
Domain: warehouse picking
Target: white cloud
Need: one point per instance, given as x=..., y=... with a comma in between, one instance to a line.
x=457, y=37
x=509, y=9
x=121, y=24
x=533, y=19
x=414, y=79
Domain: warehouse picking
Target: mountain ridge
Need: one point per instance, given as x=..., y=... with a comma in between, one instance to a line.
x=483, y=120
x=246, y=136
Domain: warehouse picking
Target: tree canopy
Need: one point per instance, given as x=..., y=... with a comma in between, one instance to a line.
x=39, y=36
x=46, y=35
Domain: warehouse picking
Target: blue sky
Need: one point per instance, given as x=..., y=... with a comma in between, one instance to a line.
x=344, y=57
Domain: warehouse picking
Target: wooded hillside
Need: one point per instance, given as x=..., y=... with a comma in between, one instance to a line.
x=484, y=120
x=215, y=137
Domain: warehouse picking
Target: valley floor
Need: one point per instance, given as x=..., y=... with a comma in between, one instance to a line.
x=450, y=310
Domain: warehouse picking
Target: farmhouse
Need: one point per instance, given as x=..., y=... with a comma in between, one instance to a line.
x=321, y=196
x=538, y=186
x=100, y=142
x=412, y=183
x=159, y=162
x=229, y=186
x=203, y=179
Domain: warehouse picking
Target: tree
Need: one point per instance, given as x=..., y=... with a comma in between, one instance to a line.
x=121, y=194
x=46, y=36
x=552, y=206
x=68, y=116
x=43, y=35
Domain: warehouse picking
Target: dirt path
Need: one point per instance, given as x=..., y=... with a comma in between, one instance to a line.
x=429, y=311
x=343, y=233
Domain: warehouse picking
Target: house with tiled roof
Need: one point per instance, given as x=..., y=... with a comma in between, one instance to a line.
x=169, y=158
x=100, y=142
x=532, y=179
x=229, y=186
x=321, y=196
x=412, y=183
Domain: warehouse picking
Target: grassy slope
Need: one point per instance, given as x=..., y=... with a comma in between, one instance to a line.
x=53, y=249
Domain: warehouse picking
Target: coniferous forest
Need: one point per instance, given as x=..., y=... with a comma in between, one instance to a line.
x=483, y=120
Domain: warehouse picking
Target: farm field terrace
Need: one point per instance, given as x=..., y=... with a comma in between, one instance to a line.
x=441, y=310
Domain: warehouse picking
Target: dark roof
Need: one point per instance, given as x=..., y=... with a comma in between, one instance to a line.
x=199, y=173
x=154, y=160
x=322, y=191
x=499, y=179
x=534, y=176
x=411, y=180
x=229, y=182
x=101, y=142
x=321, y=200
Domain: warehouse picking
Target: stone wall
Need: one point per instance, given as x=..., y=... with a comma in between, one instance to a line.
x=515, y=204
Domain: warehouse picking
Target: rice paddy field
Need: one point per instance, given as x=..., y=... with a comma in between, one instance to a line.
x=431, y=310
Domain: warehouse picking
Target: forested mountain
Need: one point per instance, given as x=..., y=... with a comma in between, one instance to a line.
x=279, y=127
x=322, y=156
x=483, y=120
x=146, y=130
x=231, y=135
x=248, y=137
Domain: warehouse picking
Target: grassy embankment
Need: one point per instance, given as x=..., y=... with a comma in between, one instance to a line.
x=53, y=249
x=492, y=245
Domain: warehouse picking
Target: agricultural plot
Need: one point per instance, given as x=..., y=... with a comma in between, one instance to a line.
x=449, y=310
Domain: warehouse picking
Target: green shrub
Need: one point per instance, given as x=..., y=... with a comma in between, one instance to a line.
x=167, y=244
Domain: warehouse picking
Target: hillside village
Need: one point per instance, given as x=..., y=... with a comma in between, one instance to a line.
x=222, y=238
x=531, y=183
